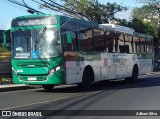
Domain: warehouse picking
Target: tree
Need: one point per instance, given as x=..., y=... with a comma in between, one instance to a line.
x=91, y=10
x=146, y=12
x=95, y=11
x=141, y=26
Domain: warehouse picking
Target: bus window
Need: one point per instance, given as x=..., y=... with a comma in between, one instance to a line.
x=85, y=39
x=149, y=46
x=121, y=42
x=142, y=45
x=110, y=41
x=128, y=44
x=136, y=44
x=99, y=44
x=69, y=46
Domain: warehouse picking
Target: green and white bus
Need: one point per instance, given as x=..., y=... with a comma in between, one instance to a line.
x=51, y=50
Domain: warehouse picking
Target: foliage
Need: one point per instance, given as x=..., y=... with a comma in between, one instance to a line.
x=95, y=11
x=146, y=12
x=91, y=10
x=4, y=49
x=5, y=80
x=144, y=20
x=141, y=26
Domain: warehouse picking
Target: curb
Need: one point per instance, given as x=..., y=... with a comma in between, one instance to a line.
x=14, y=87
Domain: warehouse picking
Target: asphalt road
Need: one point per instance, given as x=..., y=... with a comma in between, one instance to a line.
x=116, y=95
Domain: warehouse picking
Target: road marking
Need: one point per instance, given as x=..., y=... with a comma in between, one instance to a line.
x=150, y=74
x=46, y=101
x=25, y=90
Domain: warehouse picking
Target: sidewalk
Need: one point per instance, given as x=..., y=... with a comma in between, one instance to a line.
x=14, y=87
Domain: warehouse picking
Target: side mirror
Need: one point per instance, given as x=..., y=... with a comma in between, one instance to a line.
x=69, y=38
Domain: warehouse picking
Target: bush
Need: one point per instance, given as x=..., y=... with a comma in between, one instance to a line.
x=4, y=49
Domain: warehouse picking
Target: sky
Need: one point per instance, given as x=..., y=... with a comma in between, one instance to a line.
x=8, y=11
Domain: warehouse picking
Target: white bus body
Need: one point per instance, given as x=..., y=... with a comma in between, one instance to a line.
x=108, y=66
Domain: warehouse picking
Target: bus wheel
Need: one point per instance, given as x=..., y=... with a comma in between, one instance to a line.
x=86, y=80
x=48, y=87
x=134, y=74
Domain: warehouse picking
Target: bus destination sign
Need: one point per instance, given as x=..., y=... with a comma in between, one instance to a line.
x=34, y=21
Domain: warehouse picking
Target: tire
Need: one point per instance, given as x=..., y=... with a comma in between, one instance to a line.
x=134, y=76
x=86, y=80
x=48, y=87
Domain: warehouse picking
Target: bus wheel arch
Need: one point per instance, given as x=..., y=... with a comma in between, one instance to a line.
x=87, y=78
x=90, y=69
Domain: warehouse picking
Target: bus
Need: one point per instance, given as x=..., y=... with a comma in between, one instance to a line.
x=50, y=50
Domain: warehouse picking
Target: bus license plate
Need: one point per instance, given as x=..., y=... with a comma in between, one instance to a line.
x=32, y=79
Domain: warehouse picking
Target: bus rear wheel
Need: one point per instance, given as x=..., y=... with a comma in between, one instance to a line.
x=48, y=87
x=134, y=76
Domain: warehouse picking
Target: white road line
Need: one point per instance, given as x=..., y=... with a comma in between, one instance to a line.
x=25, y=90
x=46, y=101
x=150, y=74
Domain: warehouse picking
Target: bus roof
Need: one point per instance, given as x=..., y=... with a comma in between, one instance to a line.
x=63, y=19
x=143, y=35
x=78, y=21
x=118, y=28
x=32, y=16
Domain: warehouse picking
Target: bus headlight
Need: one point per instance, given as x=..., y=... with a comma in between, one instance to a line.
x=54, y=70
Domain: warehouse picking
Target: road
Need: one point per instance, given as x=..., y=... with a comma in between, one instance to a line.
x=116, y=95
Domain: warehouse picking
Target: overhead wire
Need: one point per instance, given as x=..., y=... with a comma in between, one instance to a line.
x=24, y=5
x=50, y=7
x=64, y=8
x=12, y=5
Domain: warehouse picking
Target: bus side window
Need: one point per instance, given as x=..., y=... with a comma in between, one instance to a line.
x=85, y=39
x=136, y=44
x=142, y=45
x=121, y=42
x=149, y=46
x=110, y=41
x=128, y=44
x=69, y=46
x=99, y=44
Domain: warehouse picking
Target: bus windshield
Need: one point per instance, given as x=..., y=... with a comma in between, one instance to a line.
x=33, y=44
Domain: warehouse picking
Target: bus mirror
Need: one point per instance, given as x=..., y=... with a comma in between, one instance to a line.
x=69, y=38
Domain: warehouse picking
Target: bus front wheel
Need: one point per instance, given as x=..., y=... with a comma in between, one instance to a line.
x=86, y=80
x=48, y=87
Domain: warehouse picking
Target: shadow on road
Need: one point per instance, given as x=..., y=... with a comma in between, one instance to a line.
x=112, y=85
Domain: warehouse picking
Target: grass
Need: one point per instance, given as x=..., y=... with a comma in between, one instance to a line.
x=5, y=80
x=4, y=49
